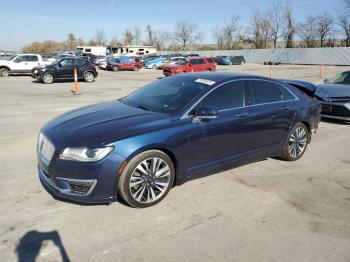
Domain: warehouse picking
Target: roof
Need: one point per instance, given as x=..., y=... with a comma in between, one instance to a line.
x=219, y=76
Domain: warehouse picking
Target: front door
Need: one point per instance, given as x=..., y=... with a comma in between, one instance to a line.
x=224, y=139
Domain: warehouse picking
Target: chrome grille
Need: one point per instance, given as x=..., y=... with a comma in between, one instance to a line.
x=45, y=147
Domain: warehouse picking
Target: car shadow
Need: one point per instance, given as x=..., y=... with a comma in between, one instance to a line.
x=57, y=81
x=30, y=244
x=335, y=121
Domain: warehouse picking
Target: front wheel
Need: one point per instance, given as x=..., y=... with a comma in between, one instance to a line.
x=115, y=68
x=135, y=68
x=47, y=78
x=146, y=179
x=295, y=145
x=89, y=77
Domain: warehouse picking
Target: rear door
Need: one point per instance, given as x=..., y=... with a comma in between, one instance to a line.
x=270, y=113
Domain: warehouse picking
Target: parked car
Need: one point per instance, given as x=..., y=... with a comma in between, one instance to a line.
x=237, y=60
x=191, y=64
x=191, y=55
x=64, y=69
x=21, y=64
x=223, y=60
x=170, y=61
x=110, y=63
x=154, y=63
x=172, y=130
x=334, y=95
x=124, y=63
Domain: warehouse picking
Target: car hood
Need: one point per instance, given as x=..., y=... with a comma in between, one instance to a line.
x=329, y=91
x=101, y=124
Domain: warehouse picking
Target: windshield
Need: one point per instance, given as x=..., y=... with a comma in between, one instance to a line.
x=181, y=62
x=342, y=79
x=169, y=95
x=7, y=57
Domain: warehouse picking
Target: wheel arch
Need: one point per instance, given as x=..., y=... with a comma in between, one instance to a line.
x=5, y=67
x=165, y=150
x=89, y=70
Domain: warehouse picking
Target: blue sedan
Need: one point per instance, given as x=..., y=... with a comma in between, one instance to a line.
x=170, y=131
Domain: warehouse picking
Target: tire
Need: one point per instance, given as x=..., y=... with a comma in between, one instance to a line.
x=135, y=68
x=296, y=142
x=138, y=184
x=115, y=69
x=89, y=77
x=4, y=72
x=154, y=67
x=47, y=78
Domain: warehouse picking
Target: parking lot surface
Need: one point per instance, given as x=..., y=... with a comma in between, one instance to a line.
x=270, y=210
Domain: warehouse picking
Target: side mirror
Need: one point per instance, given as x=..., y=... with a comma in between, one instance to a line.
x=206, y=113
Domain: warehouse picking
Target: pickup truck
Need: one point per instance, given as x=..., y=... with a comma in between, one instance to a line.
x=21, y=64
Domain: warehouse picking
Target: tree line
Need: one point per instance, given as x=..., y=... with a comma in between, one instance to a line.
x=274, y=27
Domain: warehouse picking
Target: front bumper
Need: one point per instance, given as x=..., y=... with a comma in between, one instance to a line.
x=89, y=183
x=336, y=110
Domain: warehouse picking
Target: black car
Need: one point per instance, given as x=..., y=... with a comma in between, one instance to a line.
x=237, y=60
x=64, y=69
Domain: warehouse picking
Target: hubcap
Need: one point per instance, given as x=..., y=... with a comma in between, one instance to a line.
x=88, y=77
x=150, y=180
x=48, y=78
x=297, y=142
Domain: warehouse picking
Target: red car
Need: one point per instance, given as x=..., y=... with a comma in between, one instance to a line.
x=190, y=64
x=127, y=63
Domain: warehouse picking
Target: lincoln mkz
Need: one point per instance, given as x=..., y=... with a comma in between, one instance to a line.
x=170, y=131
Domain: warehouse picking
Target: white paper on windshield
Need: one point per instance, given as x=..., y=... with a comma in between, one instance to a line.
x=205, y=81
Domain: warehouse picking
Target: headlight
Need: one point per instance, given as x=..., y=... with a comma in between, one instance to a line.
x=84, y=154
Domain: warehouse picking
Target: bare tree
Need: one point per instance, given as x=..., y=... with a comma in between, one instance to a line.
x=136, y=35
x=290, y=28
x=100, y=37
x=219, y=36
x=344, y=24
x=161, y=39
x=307, y=31
x=324, y=27
x=186, y=33
x=114, y=42
x=71, y=41
x=150, y=35
x=277, y=19
x=128, y=37
x=261, y=29
x=226, y=35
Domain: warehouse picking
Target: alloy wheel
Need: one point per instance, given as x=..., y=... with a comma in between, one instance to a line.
x=149, y=180
x=89, y=77
x=297, y=142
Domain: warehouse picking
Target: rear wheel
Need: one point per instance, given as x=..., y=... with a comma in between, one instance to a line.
x=115, y=68
x=154, y=67
x=295, y=145
x=147, y=179
x=135, y=68
x=47, y=78
x=89, y=77
x=4, y=72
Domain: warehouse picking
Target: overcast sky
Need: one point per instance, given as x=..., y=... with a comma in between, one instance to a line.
x=26, y=21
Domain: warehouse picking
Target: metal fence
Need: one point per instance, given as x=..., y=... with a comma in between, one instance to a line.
x=306, y=56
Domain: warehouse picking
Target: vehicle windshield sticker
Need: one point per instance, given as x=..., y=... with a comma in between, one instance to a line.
x=205, y=81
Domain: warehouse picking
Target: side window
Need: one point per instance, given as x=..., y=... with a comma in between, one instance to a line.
x=194, y=61
x=88, y=50
x=210, y=60
x=286, y=95
x=227, y=96
x=19, y=59
x=265, y=92
x=33, y=58
x=79, y=62
x=67, y=62
x=200, y=61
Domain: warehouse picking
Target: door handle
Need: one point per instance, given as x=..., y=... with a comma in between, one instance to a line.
x=286, y=108
x=243, y=114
